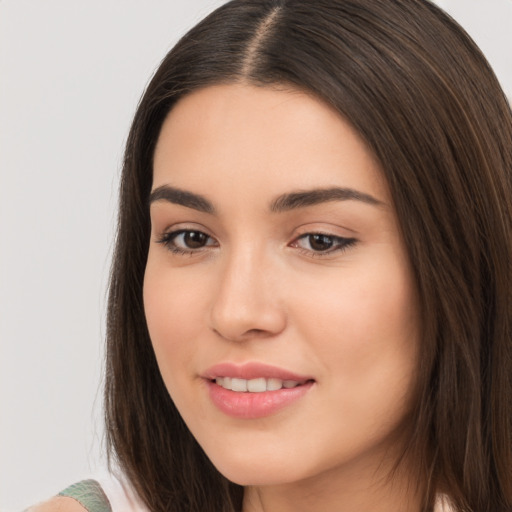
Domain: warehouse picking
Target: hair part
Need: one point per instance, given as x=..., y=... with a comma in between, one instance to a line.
x=425, y=100
x=252, y=52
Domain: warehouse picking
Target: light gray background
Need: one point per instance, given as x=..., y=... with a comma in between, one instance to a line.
x=71, y=73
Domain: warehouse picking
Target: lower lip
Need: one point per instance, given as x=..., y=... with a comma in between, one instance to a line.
x=254, y=405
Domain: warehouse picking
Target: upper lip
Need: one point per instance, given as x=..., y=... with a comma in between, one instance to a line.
x=252, y=370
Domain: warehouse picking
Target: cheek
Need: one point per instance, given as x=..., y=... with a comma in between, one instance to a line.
x=364, y=324
x=367, y=343
x=173, y=313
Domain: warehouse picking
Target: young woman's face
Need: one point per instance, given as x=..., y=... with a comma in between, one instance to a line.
x=278, y=293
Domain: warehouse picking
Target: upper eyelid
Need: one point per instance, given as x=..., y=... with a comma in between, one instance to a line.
x=174, y=233
x=346, y=243
x=325, y=232
x=168, y=238
x=181, y=227
x=303, y=230
x=346, y=239
x=176, y=229
x=325, y=228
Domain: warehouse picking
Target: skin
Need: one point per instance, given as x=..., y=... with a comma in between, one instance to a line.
x=58, y=504
x=256, y=289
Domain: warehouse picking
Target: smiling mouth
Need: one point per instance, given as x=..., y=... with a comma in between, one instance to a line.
x=258, y=385
x=254, y=390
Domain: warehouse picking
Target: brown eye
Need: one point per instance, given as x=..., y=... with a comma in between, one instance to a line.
x=187, y=241
x=320, y=242
x=194, y=239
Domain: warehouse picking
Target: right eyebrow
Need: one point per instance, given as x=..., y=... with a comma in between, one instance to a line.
x=181, y=197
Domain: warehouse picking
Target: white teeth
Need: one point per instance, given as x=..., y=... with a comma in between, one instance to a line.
x=258, y=385
x=238, y=385
x=225, y=382
x=274, y=384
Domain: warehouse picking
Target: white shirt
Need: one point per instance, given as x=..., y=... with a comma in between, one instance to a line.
x=122, y=498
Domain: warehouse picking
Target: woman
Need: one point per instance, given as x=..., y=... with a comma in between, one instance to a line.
x=310, y=296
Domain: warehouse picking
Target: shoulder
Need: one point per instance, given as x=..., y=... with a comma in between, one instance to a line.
x=58, y=504
x=105, y=492
x=84, y=496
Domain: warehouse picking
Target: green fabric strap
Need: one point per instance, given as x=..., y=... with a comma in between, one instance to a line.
x=89, y=494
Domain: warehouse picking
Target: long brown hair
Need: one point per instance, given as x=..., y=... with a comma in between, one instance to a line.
x=424, y=99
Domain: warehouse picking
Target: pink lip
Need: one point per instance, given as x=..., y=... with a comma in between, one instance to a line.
x=252, y=371
x=254, y=405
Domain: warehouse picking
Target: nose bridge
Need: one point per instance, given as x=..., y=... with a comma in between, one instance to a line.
x=246, y=303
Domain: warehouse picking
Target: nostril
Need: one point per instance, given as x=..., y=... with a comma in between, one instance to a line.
x=256, y=332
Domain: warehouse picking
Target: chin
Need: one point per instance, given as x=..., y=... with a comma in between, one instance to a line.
x=255, y=471
x=256, y=476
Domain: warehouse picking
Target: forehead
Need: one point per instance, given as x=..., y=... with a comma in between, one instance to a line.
x=246, y=136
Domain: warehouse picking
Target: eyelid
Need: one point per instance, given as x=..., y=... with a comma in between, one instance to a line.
x=168, y=237
x=328, y=228
x=341, y=244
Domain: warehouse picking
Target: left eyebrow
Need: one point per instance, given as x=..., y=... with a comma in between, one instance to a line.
x=302, y=199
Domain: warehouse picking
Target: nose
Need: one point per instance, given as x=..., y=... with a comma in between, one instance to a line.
x=247, y=304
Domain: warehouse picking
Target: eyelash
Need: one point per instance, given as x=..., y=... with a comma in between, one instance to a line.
x=341, y=243
x=168, y=240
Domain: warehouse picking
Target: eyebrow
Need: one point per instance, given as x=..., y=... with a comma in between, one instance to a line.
x=181, y=197
x=302, y=199
x=283, y=203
